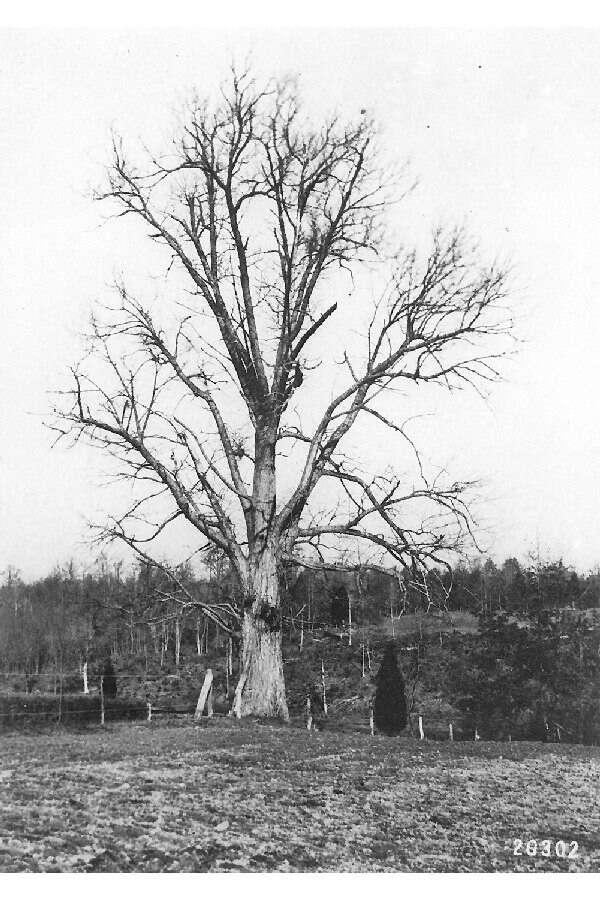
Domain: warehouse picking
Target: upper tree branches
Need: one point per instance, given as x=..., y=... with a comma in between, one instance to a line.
x=257, y=210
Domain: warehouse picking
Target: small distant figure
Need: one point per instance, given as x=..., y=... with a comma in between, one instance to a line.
x=109, y=679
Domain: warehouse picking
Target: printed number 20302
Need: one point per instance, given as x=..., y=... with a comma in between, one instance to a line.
x=562, y=849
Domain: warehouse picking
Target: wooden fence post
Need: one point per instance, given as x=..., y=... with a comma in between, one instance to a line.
x=371, y=721
x=308, y=714
x=205, y=695
x=421, y=732
x=236, y=706
x=451, y=731
x=349, y=620
x=60, y=695
x=149, y=708
x=102, y=699
x=323, y=683
x=476, y=738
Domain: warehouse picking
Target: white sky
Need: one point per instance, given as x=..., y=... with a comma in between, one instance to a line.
x=502, y=129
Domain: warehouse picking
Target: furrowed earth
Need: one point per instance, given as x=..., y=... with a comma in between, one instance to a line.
x=224, y=796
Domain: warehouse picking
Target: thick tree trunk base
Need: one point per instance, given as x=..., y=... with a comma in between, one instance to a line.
x=261, y=688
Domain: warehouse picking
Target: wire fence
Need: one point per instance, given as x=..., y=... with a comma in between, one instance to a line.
x=97, y=713
x=147, y=709
x=52, y=696
x=99, y=710
x=78, y=674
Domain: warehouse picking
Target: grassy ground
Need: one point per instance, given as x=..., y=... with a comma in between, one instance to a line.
x=228, y=797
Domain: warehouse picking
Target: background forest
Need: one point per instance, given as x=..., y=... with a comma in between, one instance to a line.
x=501, y=652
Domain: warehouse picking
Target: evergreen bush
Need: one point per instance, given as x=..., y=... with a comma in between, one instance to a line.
x=109, y=682
x=339, y=605
x=389, y=707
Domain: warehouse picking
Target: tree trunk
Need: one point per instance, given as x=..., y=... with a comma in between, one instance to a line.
x=261, y=688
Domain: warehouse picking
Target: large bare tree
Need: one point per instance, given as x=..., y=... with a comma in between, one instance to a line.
x=209, y=397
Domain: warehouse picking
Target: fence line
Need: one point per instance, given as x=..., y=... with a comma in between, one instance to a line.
x=177, y=710
x=91, y=677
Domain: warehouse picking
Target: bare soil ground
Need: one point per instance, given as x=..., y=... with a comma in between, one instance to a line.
x=224, y=796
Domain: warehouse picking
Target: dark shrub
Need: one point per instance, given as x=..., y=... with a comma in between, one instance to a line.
x=317, y=709
x=339, y=605
x=389, y=707
x=72, y=684
x=109, y=679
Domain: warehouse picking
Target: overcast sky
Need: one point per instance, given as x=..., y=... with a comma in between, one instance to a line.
x=502, y=129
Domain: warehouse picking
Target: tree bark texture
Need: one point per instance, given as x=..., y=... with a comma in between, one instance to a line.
x=261, y=689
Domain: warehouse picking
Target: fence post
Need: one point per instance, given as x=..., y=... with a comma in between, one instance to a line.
x=60, y=689
x=205, y=694
x=149, y=708
x=236, y=706
x=451, y=731
x=86, y=689
x=308, y=714
x=349, y=620
x=476, y=738
x=421, y=732
x=102, y=699
x=323, y=683
x=371, y=722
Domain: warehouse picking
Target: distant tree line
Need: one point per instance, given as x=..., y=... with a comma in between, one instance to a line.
x=62, y=621
x=478, y=587
x=68, y=618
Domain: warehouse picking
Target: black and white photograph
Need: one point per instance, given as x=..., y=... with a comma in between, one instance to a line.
x=300, y=457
